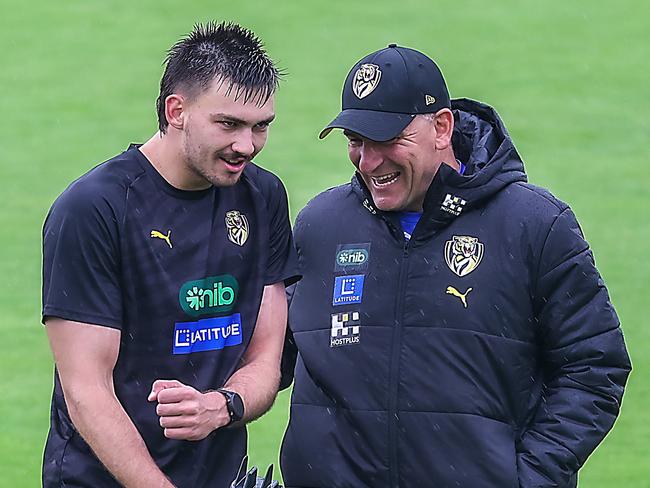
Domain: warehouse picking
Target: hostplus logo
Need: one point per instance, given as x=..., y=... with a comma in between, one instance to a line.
x=453, y=204
x=211, y=295
x=345, y=329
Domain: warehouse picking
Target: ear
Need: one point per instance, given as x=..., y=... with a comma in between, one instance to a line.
x=444, y=124
x=174, y=106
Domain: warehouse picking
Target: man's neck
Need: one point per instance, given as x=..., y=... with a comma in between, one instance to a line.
x=165, y=156
x=449, y=158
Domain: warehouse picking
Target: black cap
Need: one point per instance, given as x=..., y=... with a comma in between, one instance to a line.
x=385, y=90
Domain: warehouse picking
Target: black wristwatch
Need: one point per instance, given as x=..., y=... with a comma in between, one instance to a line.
x=234, y=404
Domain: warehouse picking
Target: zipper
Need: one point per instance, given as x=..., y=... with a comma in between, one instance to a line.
x=393, y=462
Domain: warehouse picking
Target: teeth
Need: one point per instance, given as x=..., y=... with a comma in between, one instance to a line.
x=236, y=163
x=385, y=179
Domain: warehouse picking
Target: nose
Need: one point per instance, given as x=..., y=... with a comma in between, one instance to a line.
x=243, y=143
x=370, y=157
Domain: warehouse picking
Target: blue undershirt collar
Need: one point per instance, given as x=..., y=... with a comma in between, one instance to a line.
x=409, y=220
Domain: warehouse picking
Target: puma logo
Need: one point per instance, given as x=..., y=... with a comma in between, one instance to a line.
x=463, y=296
x=166, y=238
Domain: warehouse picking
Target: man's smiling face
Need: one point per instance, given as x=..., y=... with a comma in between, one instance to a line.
x=398, y=172
x=222, y=133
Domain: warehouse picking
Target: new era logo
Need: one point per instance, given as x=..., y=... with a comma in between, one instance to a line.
x=453, y=204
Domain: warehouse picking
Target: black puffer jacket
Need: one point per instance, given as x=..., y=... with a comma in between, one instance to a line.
x=482, y=353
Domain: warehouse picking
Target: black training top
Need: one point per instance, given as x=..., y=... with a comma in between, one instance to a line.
x=181, y=274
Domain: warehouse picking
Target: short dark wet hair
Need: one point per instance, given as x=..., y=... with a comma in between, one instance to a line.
x=226, y=51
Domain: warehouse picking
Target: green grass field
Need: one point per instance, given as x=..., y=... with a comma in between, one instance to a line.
x=570, y=79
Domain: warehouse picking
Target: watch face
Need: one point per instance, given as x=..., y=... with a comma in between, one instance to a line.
x=234, y=403
x=237, y=407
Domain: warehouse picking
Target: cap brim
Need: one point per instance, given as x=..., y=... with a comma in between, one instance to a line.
x=373, y=125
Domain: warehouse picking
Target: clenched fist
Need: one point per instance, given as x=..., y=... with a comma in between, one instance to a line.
x=186, y=413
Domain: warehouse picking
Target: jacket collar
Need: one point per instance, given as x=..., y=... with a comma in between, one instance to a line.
x=482, y=143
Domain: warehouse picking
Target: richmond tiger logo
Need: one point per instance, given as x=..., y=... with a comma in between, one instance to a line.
x=463, y=254
x=366, y=80
x=237, y=226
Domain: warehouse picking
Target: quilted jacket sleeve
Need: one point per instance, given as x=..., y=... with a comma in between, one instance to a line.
x=290, y=351
x=584, y=360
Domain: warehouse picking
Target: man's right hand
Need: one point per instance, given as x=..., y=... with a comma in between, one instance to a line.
x=186, y=413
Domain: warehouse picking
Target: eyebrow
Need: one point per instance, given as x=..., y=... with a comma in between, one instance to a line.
x=239, y=121
x=354, y=135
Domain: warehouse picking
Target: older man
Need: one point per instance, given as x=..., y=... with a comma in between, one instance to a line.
x=451, y=327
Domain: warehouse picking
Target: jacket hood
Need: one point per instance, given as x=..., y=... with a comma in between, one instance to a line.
x=482, y=143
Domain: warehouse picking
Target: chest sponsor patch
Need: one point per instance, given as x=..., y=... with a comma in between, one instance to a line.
x=348, y=289
x=352, y=258
x=211, y=295
x=207, y=334
x=346, y=329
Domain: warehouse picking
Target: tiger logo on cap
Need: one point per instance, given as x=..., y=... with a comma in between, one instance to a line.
x=366, y=80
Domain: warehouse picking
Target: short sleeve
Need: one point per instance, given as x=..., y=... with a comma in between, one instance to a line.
x=282, y=264
x=81, y=259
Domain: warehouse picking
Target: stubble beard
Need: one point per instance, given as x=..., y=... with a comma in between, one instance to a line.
x=200, y=165
x=219, y=180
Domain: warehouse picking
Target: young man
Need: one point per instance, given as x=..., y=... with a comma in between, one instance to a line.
x=164, y=272
x=451, y=328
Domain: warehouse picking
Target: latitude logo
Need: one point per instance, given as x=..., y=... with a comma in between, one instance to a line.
x=214, y=294
x=348, y=289
x=207, y=334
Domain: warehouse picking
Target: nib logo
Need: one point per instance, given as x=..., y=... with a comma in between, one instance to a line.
x=214, y=294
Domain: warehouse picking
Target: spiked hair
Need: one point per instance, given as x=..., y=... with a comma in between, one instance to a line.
x=226, y=52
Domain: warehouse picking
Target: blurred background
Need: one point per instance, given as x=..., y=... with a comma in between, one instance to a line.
x=570, y=79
